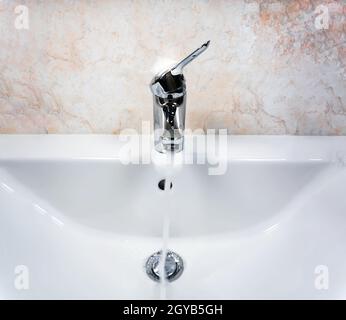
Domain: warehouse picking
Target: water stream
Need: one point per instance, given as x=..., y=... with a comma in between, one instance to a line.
x=165, y=237
x=167, y=170
x=168, y=165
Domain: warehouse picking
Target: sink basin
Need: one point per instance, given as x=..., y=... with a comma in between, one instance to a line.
x=83, y=223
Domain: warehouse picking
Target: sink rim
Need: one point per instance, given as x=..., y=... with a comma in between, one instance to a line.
x=240, y=147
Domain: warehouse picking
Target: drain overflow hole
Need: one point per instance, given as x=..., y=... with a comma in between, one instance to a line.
x=162, y=184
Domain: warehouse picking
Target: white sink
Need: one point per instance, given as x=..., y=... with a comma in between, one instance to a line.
x=83, y=224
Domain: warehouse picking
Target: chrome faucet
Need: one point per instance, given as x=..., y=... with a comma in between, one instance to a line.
x=169, y=90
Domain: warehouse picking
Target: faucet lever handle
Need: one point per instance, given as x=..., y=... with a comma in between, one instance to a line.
x=178, y=68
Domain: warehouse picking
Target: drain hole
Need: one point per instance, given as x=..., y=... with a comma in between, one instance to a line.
x=162, y=184
x=174, y=266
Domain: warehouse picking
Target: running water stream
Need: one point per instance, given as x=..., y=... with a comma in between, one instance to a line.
x=165, y=238
x=168, y=169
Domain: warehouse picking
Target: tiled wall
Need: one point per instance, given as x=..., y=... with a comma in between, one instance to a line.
x=273, y=67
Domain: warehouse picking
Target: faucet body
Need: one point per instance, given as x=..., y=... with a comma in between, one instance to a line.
x=169, y=118
x=169, y=97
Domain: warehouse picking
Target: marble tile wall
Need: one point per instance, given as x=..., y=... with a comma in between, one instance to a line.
x=273, y=67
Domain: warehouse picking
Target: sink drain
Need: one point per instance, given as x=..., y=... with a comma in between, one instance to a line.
x=173, y=268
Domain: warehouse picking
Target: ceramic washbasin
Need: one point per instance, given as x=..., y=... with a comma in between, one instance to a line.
x=83, y=223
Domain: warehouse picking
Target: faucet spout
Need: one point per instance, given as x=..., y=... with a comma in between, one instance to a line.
x=169, y=90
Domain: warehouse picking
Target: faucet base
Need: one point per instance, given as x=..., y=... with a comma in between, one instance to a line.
x=163, y=145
